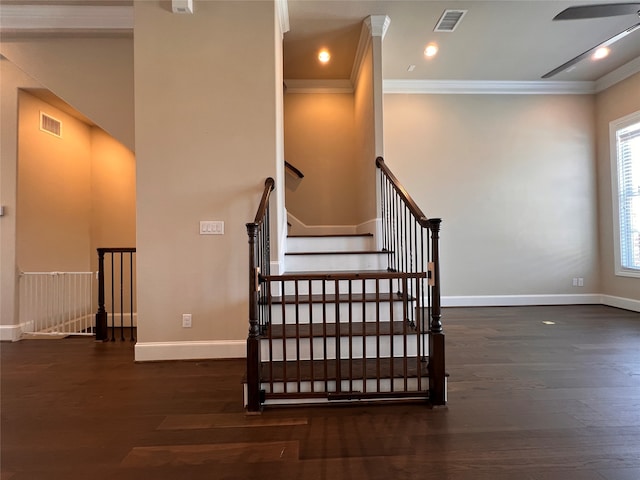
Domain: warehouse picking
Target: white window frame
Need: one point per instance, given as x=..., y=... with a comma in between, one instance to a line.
x=614, y=127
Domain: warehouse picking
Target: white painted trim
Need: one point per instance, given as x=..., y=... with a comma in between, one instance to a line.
x=614, y=126
x=377, y=25
x=363, y=44
x=482, y=87
x=522, y=300
x=190, y=350
x=618, y=75
x=300, y=228
x=372, y=226
x=10, y=333
x=65, y=17
x=620, y=302
x=282, y=12
x=318, y=86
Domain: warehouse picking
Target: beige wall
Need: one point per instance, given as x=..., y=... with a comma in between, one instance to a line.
x=62, y=196
x=320, y=141
x=616, y=102
x=12, y=79
x=206, y=139
x=93, y=74
x=54, y=192
x=512, y=177
x=365, y=179
x=113, y=192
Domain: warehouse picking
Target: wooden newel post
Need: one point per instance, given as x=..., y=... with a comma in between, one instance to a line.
x=253, y=341
x=437, y=375
x=101, y=315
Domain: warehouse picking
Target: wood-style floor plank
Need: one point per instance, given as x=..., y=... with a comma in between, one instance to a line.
x=528, y=400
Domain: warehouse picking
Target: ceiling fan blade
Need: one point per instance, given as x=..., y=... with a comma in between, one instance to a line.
x=598, y=11
x=584, y=55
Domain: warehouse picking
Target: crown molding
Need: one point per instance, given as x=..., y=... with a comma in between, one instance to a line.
x=282, y=12
x=618, y=75
x=318, y=86
x=372, y=26
x=65, y=17
x=481, y=87
x=377, y=25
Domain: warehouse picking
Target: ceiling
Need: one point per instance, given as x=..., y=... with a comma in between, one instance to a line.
x=504, y=40
x=498, y=40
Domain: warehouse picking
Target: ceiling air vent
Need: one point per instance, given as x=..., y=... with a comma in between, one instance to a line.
x=449, y=20
x=50, y=125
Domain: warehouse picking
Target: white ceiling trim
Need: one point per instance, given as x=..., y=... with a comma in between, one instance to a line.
x=488, y=87
x=377, y=25
x=282, y=10
x=65, y=17
x=318, y=86
x=618, y=75
x=372, y=26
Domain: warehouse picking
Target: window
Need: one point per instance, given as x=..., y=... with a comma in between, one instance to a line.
x=625, y=159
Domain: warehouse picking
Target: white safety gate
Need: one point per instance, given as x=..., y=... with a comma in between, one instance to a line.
x=56, y=303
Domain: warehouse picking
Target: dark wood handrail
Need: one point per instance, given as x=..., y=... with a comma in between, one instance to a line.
x=117, y=250
x=269, y=185
x=411, y=204
x=297, y=172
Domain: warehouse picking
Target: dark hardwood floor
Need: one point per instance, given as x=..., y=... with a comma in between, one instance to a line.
x=527, y=401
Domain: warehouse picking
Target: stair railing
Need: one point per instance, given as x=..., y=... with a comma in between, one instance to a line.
x=259, y=261
x=120, y=278
x=412, y=242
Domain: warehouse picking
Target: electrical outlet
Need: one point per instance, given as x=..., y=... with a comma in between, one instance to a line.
x=575, y=281
x=186, y=320
x=580, y=282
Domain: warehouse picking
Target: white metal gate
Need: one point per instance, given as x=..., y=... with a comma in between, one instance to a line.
x=56, y=303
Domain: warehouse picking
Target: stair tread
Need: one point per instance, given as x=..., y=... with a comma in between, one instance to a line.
x=369, y=368
x=319, y=330
x=340, y=298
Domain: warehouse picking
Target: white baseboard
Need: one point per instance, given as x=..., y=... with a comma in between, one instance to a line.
x=191, y=350
x=619, y=302
x=523, y=300
x=10, y=333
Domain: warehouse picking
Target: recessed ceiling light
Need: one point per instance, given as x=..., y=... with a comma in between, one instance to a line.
x=431, y=50
x=600, y=53
x=324, y=56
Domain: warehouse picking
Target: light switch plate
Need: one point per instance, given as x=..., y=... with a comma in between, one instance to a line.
x=208, y=227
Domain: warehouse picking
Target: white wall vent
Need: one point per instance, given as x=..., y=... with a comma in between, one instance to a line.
x=449, y=20
x=50, y=125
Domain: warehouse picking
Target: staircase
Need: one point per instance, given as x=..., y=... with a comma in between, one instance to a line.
x=345, y=322
x=338, y=301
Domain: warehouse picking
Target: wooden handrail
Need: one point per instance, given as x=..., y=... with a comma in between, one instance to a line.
x=411, y=204
x=269, y=185
x=297, y=172
x=259, y=259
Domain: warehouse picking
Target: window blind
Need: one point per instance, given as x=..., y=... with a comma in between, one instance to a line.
x=628, y=153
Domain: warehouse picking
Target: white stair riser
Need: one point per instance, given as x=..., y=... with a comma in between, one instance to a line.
x=356, y=385
x=320, y=351
x=330, y=244
x=335, y=262
x=329, y=312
